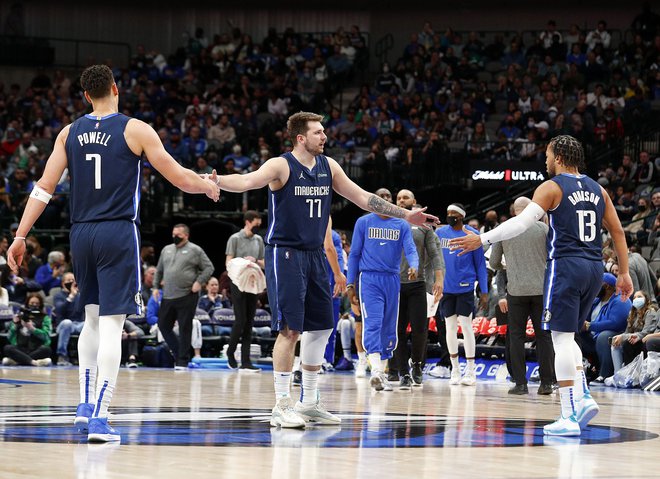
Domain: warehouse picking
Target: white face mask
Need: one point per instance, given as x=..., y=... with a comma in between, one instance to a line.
x=638, y=303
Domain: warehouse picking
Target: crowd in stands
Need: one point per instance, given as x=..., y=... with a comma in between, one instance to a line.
x=222, y=103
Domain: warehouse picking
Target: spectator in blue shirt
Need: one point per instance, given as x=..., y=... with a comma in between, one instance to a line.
x=609, y=315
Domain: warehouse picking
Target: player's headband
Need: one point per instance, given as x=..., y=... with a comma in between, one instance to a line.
x=457, y=209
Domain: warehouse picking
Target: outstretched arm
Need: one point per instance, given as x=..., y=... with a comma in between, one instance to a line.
x=275, y=171
x=343, y=185
x=141, y=137
x=546, y=196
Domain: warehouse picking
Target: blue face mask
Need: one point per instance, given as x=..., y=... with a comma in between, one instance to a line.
x=638, y=303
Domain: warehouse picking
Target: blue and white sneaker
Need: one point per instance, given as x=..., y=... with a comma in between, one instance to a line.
x=83, y=413
x=564, y=426
x=100, y=431
x=586, y=410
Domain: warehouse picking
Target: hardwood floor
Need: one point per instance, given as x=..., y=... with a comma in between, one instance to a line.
x=213, y=423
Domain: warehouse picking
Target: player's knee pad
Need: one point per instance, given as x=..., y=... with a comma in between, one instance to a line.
x=312, y=346
x=564, y=355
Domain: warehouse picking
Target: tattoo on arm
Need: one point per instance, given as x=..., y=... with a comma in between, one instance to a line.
x=379, y=206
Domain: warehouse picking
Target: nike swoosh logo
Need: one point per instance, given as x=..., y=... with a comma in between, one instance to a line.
x=383, y=242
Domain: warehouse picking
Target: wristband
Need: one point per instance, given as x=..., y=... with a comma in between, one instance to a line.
x=350, y=286
x=19, y=238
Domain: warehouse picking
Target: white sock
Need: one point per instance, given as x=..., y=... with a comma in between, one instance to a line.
x=282, y=384
x=376, y=363
x=88, y=347
x=454, y=364
x=108, y=359
x=470, y=364
x=309, y=391
x=362, y=356
x=566, y=396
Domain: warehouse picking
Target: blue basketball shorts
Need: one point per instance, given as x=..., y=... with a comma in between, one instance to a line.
x=298, y=289
x=571, y=285
x=106, y=265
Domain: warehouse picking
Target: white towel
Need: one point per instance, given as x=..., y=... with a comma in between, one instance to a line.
x=246, y=275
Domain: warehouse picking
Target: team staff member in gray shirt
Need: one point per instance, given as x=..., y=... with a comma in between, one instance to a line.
x=182, y=269
x=525, y=257
x=249, y=245
x=412, y=303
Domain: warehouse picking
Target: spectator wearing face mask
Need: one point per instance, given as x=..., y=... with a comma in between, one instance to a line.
x=642, y=321
x=249, y=245
x=182, y=269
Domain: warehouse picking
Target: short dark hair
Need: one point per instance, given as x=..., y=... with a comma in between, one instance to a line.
x=569, y=149
x=297, y=124
x=183, y=226
x=251, y=215
x=97, y=80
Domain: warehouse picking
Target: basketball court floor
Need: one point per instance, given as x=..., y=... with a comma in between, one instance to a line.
x=214, y=423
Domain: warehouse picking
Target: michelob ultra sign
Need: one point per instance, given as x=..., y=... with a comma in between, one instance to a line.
x=491, y=173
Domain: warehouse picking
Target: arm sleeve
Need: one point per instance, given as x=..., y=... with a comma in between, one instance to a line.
x=261, y=249
x=432, y=250
x=356, y=253
x=158, y=275
x=515, y=226
x=43, y=333
x=501, y=282
x=495, y=260
x=409, y=248
x=480, y=267
x=650, y=324
x=206, y=267
x=231, y=246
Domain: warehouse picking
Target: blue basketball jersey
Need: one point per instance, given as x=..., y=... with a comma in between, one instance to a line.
x=576, y=222
x=298, y=213
x=105, y=174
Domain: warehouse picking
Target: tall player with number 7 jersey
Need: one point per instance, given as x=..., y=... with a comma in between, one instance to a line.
x=103, y=153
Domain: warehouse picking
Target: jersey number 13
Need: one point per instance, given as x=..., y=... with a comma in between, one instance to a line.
x=586, y=225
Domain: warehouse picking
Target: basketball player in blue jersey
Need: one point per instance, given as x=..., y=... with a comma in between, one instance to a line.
x=300, y=185
x=102, y=152
x=375, y=258
x=577, y=207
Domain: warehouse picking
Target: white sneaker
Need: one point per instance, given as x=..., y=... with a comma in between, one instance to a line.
x=380, y=383
x=438, y=371
x=285, y=416
x=469, y=378
x=44, y=362
x=564, y=426
x=8, y=362
x=586, y=410
x=315, y=413
x=361, y=369
x=455, y=377
x=609, y=382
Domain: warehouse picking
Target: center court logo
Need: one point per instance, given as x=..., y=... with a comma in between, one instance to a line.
x=226, y=427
